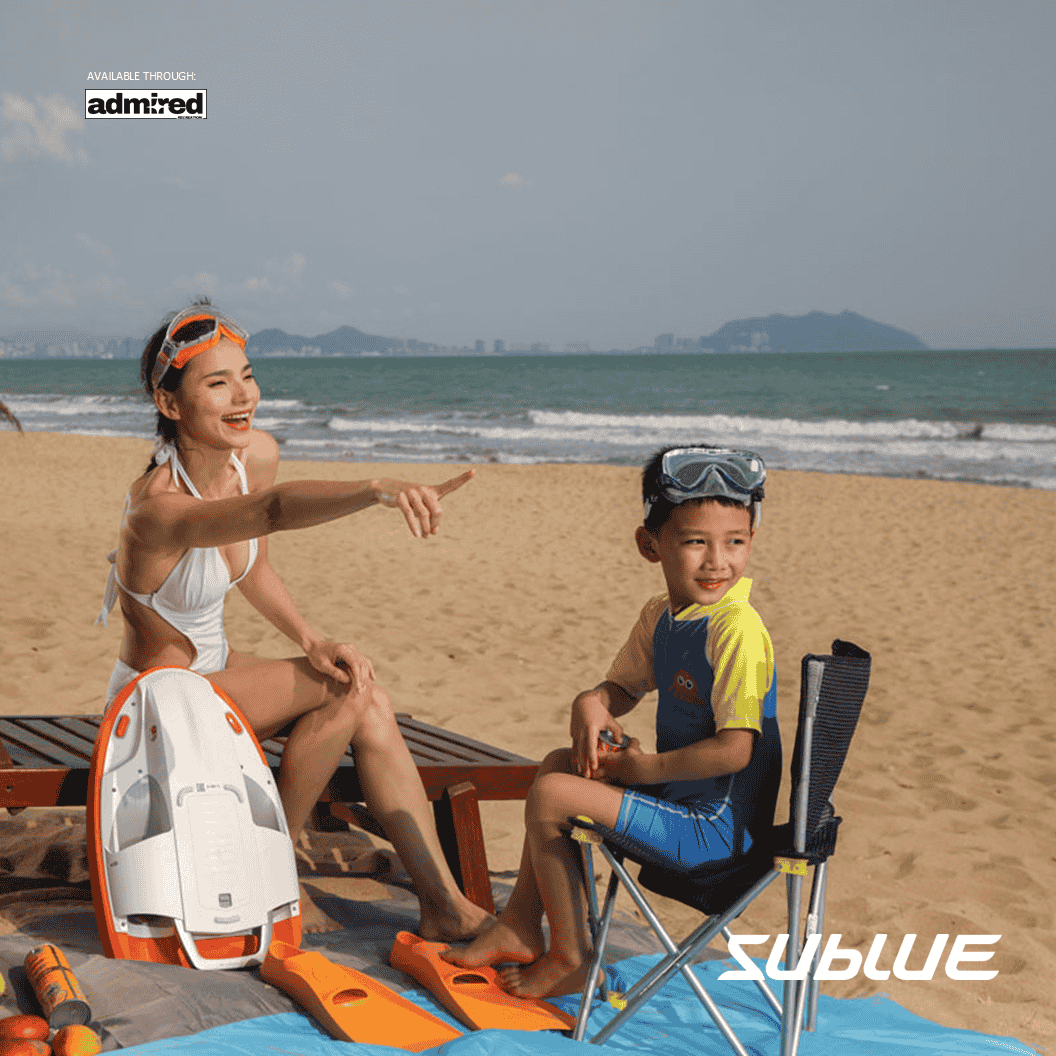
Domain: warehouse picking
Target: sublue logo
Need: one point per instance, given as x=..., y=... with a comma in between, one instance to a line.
x=853, y=960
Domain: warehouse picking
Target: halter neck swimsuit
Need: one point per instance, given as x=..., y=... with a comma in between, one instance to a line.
x=192, y=597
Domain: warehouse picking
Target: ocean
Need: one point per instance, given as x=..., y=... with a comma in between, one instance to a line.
x=981, y=416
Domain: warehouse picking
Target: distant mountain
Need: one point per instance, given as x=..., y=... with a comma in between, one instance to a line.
x=813, y=332
x=344, y=341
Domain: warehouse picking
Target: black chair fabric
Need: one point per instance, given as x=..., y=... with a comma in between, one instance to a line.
x=843, y=688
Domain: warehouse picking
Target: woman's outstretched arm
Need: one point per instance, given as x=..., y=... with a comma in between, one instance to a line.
x=172, y=520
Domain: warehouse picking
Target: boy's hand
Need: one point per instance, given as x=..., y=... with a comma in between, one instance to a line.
x=622, y=767
x=593, y=711
x=589, y=717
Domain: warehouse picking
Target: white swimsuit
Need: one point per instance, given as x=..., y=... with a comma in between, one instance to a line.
x=192, y=597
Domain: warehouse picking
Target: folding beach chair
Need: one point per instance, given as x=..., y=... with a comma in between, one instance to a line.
x=831, y=694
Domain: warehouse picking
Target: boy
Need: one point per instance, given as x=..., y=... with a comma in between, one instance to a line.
x=716, y=770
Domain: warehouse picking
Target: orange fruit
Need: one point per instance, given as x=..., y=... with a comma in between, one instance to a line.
x=24, y=1026
x=76, y=1041
x=24, y=1046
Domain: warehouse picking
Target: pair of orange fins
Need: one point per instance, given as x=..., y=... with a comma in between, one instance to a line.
x=353, y=1007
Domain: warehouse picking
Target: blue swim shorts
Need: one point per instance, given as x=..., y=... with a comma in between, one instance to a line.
x=675, y=836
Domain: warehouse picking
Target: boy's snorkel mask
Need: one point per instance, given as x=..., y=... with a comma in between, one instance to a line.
x=176, y=354
x=708, y=472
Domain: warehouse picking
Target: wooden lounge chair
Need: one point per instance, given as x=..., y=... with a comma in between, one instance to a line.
x=44, y=761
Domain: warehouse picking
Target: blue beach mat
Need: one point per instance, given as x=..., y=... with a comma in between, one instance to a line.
x=674, y=1021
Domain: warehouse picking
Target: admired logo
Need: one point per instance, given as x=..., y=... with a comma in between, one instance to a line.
x=836, y=963
x=169, y=103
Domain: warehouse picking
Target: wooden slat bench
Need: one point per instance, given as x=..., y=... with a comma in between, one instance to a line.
x=44, y=761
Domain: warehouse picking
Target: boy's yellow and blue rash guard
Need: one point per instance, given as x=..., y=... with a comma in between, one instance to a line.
x=714, y=668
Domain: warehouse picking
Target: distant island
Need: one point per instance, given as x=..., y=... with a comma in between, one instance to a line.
x=813, y=332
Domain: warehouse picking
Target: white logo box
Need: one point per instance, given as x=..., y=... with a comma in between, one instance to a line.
x=156, y=104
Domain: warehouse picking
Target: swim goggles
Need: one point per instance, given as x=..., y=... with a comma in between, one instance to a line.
x=705, y=472
x=176, y=354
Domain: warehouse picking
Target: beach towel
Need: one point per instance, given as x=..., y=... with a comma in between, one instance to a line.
x=673, y=1022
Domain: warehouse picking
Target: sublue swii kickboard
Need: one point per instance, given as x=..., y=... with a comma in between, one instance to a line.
x=190, y=858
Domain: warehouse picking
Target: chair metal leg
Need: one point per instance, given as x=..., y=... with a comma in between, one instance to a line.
x=764, y=987
x=593, y=917
x=658, y=975
x=597, y=966
x=587, y=867
x=678, y=959
x=789, y=1020
x=696, y=941
x=817, y=916
x=801, y=995
x=796, y=1019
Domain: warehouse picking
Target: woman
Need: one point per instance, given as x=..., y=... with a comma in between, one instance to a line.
x=197, y=523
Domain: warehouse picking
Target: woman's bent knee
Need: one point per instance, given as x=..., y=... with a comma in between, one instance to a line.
x=369, y=714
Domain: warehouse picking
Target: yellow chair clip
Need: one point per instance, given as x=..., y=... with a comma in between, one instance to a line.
x=586, y=835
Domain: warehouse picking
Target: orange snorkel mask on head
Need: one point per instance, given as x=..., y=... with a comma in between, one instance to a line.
x=176, y=353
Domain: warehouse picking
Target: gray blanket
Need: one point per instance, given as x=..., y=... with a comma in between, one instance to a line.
x=134, y=1002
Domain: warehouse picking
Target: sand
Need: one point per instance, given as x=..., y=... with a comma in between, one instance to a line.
x=492, y=626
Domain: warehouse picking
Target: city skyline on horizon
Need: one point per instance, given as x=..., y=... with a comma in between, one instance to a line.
x=791, y=333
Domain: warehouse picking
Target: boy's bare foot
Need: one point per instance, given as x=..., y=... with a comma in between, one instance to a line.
x=550, y=976
x=508, y=939
x=456, y=923
x=313, y=919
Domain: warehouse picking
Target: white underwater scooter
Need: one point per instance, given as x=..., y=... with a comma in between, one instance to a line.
x=190, y=858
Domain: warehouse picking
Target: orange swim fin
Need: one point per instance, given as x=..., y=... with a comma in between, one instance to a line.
x=350, y=1005
x=472, y=995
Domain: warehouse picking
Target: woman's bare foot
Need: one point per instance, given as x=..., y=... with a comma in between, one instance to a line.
x=508, y=939
x=456, y=923
x=313, y=919
x=550, y=976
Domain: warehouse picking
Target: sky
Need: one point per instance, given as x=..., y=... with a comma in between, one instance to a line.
x=570, y=172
